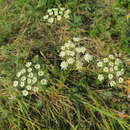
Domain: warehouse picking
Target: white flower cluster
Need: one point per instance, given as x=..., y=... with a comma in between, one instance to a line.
x=56, y=14
x=73, y=54
x=29, y=78
x=112, y=69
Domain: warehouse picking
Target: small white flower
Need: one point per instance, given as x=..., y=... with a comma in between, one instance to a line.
x=35, y=89
x=61, y=12
x=51, y=20
x=83, y=49
x=79, y=65
x=100, y=77
x=37, y=66
x=67, y=11
x=28, y=64
x=44, y=82
x=67, y=44
x=62, y=9
x=25, y=92
x=18, y=74
x=22, y=84
x=59, y=17
x=121, y=80
x=111, y=70
x=63, y=48
x=115, y=67
x=28, y=87
x=29, y=81
x=105, y=69
x=49, y=10
x=112, y=83
x=69, y=41
x=111, y=64
x=99, y=64
x=56, y=12
x=88, y=57
x=105, y=60
x=66, y=16
x=45, y=17
x=54, y=9
x=76, y=39
x=40, y=73
x=34, y=80
x=110, y=76
x=78, y=49
x=30, y=75
x=70, y=53
x=119, y=73
x=62, y=54
x=70, y=61
x=29, y=69
x=50, y=13
x=64, y=65
x=117, y=61
x=111, y=56
x=72, y=45
x=23, y=78
x=15, y=83
x=128, y=96
x=23, y=71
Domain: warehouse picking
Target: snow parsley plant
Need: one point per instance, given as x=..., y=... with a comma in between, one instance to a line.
x=112, y=69
x=31, y=78
x=73, y=54
x=56, y=14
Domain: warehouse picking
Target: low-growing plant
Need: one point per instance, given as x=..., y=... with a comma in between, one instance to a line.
x=66, y=75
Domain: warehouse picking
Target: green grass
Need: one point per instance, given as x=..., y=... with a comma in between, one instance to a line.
x=73, y=100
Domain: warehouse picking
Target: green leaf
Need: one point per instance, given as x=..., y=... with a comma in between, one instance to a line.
x=72, y=2
x=41, y=3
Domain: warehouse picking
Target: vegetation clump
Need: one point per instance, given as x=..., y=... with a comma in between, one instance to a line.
x=64, y=65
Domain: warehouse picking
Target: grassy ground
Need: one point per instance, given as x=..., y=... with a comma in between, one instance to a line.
x=72, y=99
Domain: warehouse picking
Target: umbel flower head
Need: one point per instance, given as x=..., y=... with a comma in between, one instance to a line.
x=54, y=15
x=74, y=54
x=31, y=78
x=112, y=69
